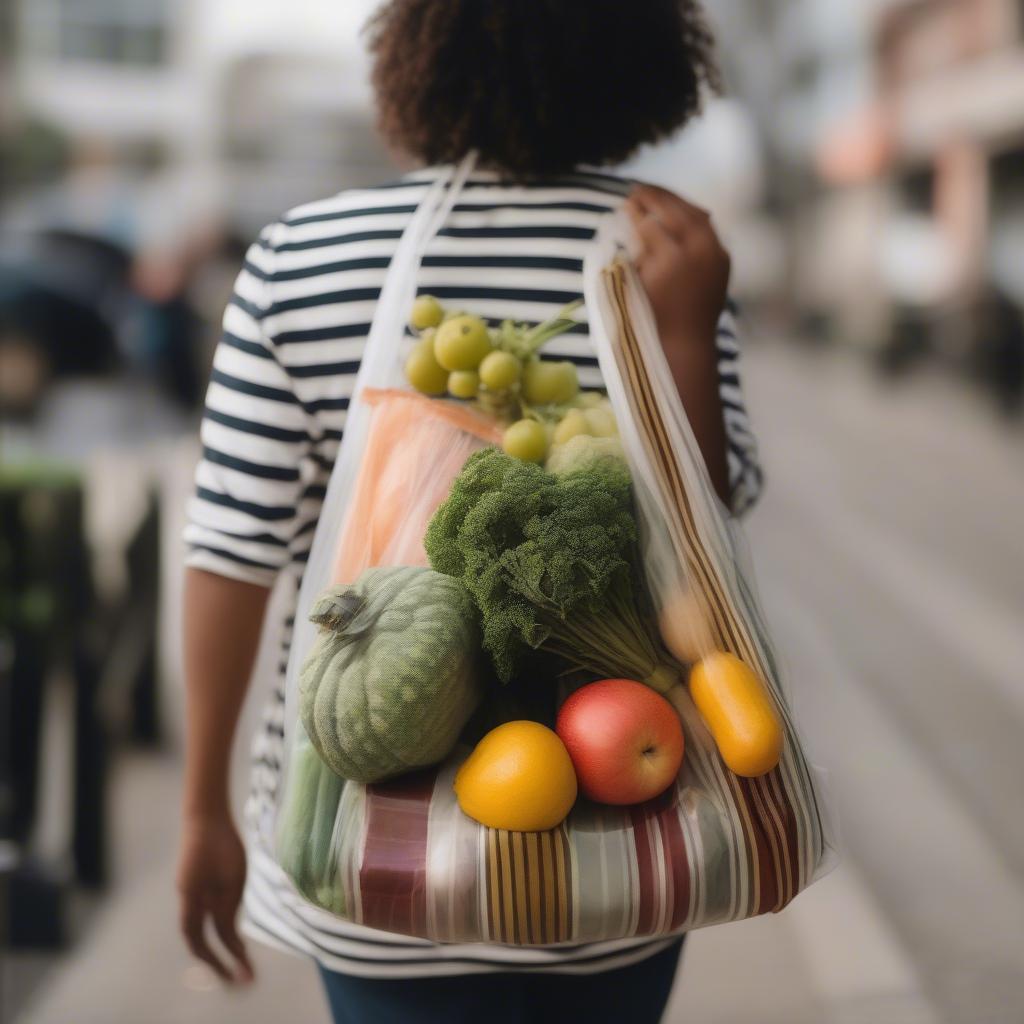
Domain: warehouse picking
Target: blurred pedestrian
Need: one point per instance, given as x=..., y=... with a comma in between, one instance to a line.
x=545, y=93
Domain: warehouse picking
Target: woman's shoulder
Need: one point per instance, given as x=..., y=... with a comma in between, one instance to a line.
x=366, y=213
x=397, y=196
x=379, y=212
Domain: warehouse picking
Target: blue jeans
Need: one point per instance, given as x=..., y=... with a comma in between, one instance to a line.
x=636, y=994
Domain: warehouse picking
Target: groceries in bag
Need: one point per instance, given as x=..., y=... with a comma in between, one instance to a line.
x=739, y=712
x=625, y=741
x=402, y=854
x=415, y=450
x=519, y=777
x=394, y=675
x=526, y=561
x=549, y=561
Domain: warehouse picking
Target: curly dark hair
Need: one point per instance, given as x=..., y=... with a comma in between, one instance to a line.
x=537, y=86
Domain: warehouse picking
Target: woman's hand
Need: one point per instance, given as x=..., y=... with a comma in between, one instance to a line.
x=211, y=875
x=682, y=264
x=685, y=271
x=222, y=630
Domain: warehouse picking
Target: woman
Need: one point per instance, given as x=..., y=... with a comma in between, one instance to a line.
x=540, y=88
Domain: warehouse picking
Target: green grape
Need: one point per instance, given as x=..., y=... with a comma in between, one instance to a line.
x=423, y=371
x=500, y=370
x=573, y=423
x=462, y=342
x=426, y=312
x=464, y=383
x=526, y=440
x=548, y=383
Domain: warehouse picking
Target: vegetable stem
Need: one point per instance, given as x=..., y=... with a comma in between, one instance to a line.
x=620, y=645
x=530, y=343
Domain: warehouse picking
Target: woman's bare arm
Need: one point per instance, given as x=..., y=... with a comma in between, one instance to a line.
x=222, y=622
x=685, y=272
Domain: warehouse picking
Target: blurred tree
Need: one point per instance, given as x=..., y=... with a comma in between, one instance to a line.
x=32, y=152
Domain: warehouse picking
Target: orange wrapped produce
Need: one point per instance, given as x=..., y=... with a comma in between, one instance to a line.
x=417, y=447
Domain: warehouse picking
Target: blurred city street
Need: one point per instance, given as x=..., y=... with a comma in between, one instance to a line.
x=865, y=168
x=899, y=629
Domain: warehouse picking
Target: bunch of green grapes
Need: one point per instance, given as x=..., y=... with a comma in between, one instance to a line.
x=500, y=368
x=588, y=414
x=534, y=437
x=451, y=348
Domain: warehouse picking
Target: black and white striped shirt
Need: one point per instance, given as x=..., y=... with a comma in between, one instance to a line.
x=283, y=375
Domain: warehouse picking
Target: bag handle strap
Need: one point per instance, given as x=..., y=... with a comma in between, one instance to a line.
x=455, y=180
x=399, y=288
x=383, y=345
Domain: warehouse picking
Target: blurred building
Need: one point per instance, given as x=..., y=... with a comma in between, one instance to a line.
x=866, y=168
x=897, y=130
x=218, y=107
x=235, y=110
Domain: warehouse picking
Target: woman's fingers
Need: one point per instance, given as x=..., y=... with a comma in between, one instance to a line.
x=224, y=923
x=211, y=877
x=651, y=232
x=679, y=217
x=645, y=214
x=672, y=204
x=192, y=921
x=682, y=265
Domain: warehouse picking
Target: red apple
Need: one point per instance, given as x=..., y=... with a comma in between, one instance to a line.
x=625, y=740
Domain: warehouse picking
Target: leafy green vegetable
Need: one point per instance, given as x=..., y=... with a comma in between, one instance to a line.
x=548, y=561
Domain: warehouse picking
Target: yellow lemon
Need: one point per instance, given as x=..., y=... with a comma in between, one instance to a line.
x=519, y=777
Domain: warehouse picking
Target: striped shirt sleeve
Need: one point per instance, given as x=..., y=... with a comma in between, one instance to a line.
x=745, y=474
x=255, y=438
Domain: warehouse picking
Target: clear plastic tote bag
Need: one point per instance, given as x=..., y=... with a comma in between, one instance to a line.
x=389, y=669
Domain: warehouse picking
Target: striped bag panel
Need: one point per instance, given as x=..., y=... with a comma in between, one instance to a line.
x=779, y=812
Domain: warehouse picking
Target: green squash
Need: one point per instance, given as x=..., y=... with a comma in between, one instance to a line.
x=394, y=675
